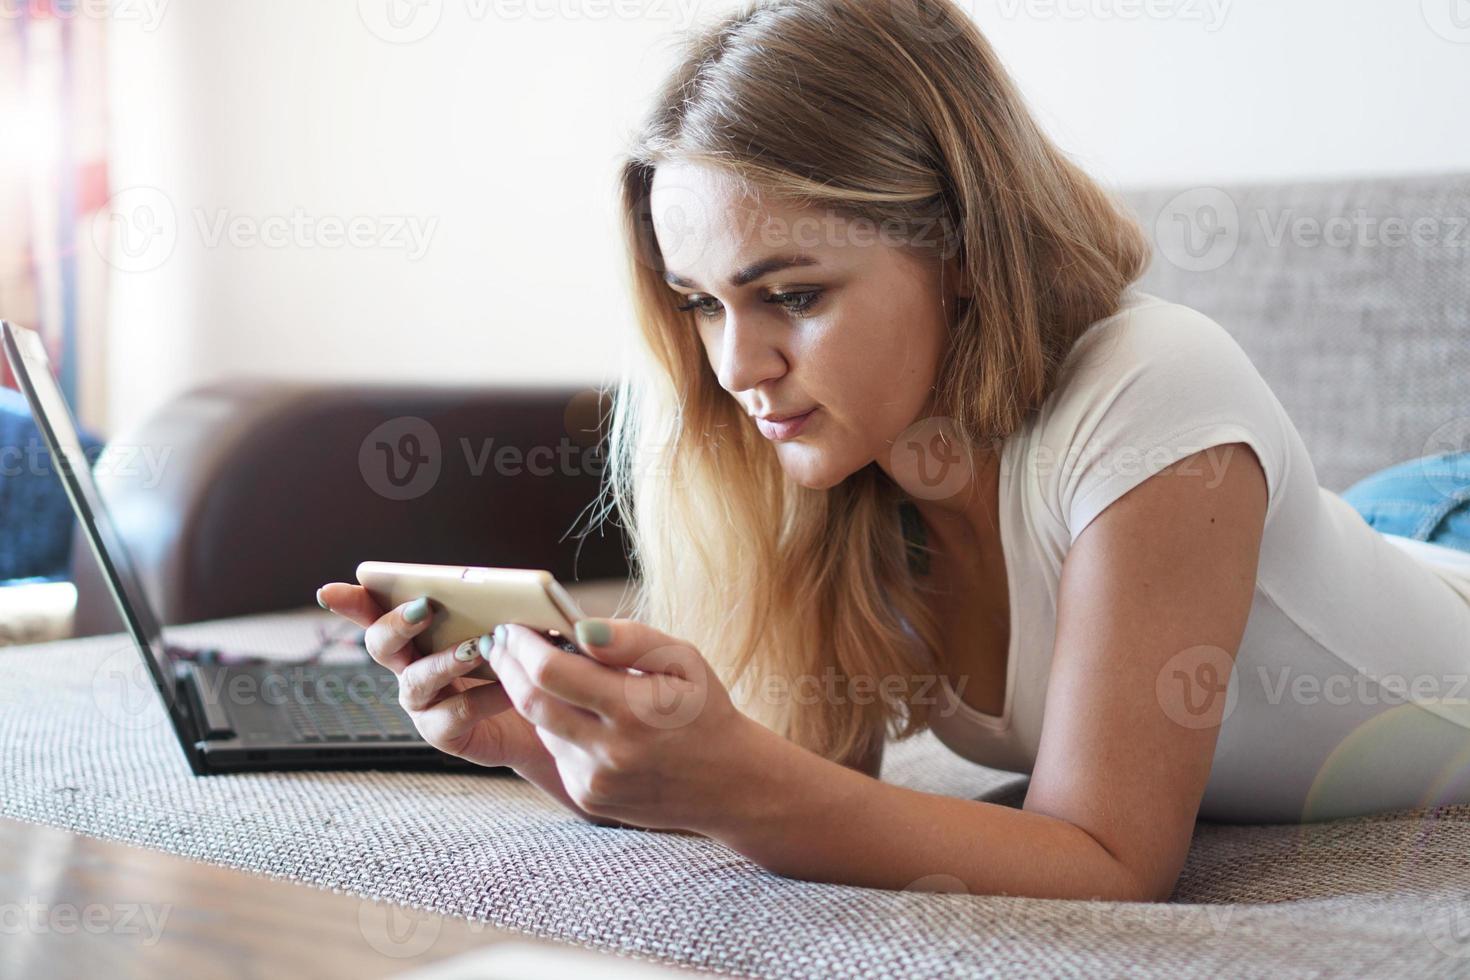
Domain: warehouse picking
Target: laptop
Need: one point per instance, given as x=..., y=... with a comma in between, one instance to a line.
x=232, y=711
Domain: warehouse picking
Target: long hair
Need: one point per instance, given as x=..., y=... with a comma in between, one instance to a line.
x=896, y=111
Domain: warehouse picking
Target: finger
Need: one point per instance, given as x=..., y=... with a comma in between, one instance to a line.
x=629, y=643
x=571, y=677
x=425, y=680
x=542, y=709
x=452, y=720
x=389, y=637
x=349, y=601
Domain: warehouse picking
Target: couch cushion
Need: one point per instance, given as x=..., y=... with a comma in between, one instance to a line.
x=1352, y=297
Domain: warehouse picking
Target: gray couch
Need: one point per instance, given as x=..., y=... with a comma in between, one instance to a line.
x=1351, y=297
x=1365, y=339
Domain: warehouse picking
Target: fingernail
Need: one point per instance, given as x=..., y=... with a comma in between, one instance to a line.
x=322, y=602
x=465, y=651
x=594, y=632
x=417, y=611
x=498, y=640
x=486, y=644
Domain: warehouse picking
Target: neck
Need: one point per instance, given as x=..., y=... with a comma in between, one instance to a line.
x=966, y=518
x=970, y=515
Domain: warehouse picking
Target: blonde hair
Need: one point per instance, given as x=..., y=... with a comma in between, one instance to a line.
x=896, y=111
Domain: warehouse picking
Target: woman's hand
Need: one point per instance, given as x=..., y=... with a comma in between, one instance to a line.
x=644, y=733
x=455, y=713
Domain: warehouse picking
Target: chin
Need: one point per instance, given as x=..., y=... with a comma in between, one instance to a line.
x=812, y=468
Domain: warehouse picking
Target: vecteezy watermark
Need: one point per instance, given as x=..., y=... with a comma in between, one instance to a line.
x=400, y=21
x=1193, y=687
x=1450, y=19
x=397, y=932
x=1448, y=440
x=125, y=694
x=1210, y=14
x=930, y=459
x=1192, y=684
x=147, y=14
x=832, y=687
x=676, y=699
x=1198, y=230
x=124, y=691
x=1445, y=921
x=298, y=685
x=35, y=917
x=402, y=933
x=1103, y=461
x=1359, y=687
x=1206, y=923
x=138, y=229
x=934, y=21
x=120, y=460
x=403, y=458
x=677, y=214
x=940, y=882
x=566, y=458
x=406, y=233
x=409, y=21
x=1201, y=229
x=1360, y=229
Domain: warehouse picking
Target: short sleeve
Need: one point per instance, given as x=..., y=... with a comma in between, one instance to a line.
x=1146, y=389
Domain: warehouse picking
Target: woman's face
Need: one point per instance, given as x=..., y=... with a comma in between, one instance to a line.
x=802, y=312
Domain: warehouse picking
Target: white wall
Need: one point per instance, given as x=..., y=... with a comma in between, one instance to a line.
x=496, y=135
x=1224, y=90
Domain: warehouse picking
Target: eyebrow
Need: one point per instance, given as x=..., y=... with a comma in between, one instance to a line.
x=751, y=272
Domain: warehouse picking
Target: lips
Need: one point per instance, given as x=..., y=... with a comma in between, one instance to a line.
x=782, y=418
x=783, y=426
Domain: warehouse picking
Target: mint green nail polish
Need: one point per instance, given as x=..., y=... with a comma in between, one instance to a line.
x=417, y=611
x=499, y=638
x=322, y=602
x=594, y=632
x=486, y=644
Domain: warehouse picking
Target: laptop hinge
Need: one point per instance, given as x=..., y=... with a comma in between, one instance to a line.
x=212, y=720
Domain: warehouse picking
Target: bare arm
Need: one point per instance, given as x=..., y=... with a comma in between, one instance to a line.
x=1167, y=571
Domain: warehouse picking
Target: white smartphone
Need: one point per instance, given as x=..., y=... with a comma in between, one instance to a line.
x=467, y=601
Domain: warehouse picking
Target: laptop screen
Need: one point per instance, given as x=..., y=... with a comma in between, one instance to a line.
x=32, y=368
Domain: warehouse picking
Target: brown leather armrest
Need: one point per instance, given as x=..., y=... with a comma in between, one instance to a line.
x=259, y=491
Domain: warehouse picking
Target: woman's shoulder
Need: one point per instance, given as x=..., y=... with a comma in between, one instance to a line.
x=1140, y=389
x=1148, y=330
x=1151, y=356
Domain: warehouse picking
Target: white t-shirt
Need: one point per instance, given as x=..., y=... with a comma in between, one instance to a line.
x=1316, y=724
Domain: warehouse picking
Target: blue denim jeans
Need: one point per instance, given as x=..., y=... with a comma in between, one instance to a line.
x=1427, y=499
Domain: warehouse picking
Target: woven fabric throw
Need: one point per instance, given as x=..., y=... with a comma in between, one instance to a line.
x=82, y=747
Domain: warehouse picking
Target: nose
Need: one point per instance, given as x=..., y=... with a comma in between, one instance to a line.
x=748, y=355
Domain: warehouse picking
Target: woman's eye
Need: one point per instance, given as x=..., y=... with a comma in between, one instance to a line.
x=798, y=303
x=698, y=303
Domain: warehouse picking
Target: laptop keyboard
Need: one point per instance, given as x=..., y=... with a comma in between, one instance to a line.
x=336, y=716
x=321, y=702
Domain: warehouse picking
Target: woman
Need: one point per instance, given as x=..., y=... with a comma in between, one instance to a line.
x=912, y=452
